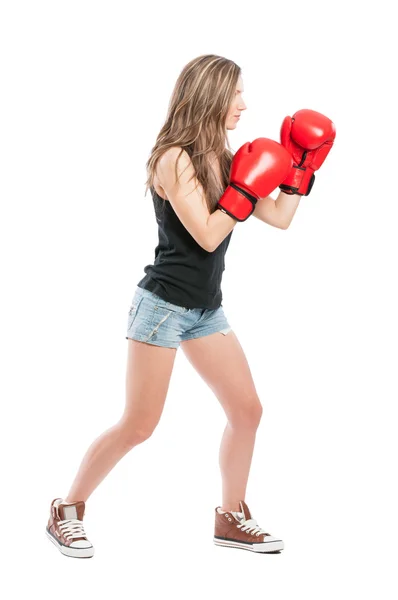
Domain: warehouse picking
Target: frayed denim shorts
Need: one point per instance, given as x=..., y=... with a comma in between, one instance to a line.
x=155, y=321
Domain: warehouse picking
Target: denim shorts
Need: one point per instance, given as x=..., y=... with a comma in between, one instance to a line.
x=155, y=321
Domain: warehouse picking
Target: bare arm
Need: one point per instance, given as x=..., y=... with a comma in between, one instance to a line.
x=189, y=203
x=219, y=225
x=278, y=213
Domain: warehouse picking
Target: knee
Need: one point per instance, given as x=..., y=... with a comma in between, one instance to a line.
x=133, y=433
x=247, y=415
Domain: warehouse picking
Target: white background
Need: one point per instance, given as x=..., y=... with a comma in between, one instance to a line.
x=85, y=89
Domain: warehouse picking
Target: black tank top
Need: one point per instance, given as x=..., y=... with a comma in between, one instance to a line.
x=183, y=272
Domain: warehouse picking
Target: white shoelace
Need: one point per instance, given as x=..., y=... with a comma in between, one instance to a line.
x=251, y=526
x=72, y=528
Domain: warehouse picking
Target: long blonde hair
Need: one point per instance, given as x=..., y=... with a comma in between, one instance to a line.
x=196, y=121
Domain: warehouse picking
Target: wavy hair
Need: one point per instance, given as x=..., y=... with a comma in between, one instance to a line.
x=196, y=122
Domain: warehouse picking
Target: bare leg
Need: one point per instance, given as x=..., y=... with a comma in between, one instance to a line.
x=221, y=362
x=236, y=452
x=149, y=369
x=103, y=454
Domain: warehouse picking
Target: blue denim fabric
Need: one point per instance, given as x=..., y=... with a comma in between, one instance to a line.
x=155, y=321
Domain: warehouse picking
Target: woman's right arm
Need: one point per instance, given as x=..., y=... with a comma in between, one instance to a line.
x=189, y=204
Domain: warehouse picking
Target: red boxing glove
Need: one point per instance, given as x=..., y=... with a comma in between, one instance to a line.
x=257, y=168
x=309, y=137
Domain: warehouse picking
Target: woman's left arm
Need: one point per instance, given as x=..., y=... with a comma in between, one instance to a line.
x=278, y=213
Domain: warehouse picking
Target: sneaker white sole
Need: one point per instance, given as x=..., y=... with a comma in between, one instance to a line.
x=68, y=551
x=273, y=546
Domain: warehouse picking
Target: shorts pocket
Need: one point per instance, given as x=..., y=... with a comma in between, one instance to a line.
x=133, y=311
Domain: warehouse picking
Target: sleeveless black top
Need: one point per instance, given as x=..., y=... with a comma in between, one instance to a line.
x=183, y=272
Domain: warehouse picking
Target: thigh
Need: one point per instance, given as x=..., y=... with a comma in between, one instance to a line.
x=221, y=362
x=148, y=374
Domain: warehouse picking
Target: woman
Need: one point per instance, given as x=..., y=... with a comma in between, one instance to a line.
x=179, y=302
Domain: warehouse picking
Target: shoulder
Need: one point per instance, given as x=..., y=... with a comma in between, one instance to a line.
x=170, y=157
x=175, y=168
x=166, y=166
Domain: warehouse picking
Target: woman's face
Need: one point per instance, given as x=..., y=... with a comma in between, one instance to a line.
x=237, y=106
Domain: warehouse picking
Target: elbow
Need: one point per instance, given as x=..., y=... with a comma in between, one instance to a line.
x=205, y=245
x=212, y=245
x=208, y=245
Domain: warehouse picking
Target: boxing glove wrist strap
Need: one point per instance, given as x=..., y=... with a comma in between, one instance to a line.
x=299, y=181
x=237, y=202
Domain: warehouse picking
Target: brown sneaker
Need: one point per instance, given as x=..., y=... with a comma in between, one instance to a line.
x=240, y=530
x=65, y=529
